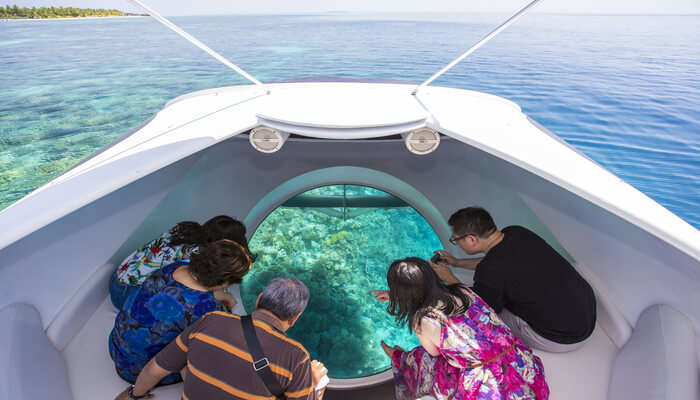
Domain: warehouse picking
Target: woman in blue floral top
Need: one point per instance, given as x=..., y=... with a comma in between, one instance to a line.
x=178, y=244
x=171, y=299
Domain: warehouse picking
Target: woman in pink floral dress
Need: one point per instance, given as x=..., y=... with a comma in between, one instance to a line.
x=466, y=351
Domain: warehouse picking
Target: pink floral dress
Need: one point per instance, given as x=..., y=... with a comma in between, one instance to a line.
x=479, y=359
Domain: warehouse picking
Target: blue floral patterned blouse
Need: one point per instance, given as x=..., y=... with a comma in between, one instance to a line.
x=152, y=317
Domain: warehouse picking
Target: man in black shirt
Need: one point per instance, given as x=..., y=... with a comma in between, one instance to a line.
x=537, y=293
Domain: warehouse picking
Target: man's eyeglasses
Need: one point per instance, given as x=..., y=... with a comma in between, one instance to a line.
x=454, y=240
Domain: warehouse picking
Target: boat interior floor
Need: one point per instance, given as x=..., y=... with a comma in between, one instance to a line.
x=579, y=375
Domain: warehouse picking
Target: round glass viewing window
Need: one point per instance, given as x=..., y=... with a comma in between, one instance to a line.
x=340, y=240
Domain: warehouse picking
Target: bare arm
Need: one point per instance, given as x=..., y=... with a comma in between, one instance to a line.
x=468, y=263
x=381, y=295
x=444, y=273
x=149, y=377
x=225, y=298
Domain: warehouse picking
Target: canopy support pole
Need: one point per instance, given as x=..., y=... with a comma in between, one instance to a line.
x=481, y=42
x=195, y=42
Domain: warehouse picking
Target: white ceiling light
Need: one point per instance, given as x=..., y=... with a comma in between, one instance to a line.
x=267, y=140
x=422, y=141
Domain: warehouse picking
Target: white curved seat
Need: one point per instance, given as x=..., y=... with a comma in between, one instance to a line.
x=658, y=362
x=30, y=366
x=73, y=315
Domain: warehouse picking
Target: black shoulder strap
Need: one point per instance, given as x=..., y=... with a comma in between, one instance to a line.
x=261, y=365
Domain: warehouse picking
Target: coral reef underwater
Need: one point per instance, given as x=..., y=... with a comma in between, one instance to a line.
x=340, y=260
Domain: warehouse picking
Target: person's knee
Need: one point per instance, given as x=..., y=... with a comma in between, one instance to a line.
x=515, y=323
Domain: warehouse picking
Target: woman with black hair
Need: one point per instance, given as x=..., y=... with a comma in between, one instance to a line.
x=466, y=351
x=179, y=243
x=171, y=299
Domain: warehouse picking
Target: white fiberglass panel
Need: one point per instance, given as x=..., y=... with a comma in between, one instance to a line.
x=343, y=106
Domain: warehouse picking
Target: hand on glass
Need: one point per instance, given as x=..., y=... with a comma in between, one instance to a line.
x=381, y=295
x=390, y=350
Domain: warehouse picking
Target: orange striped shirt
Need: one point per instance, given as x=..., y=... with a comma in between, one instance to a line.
x=219, y=365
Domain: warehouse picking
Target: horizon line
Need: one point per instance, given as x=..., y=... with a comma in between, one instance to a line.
x=427, y=13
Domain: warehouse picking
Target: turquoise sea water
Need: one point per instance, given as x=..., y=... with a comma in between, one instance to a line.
x=340, y=259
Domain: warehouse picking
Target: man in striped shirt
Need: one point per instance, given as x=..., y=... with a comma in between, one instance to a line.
x=215, y=362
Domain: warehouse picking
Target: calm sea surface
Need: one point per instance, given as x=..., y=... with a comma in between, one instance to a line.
x=625, y=90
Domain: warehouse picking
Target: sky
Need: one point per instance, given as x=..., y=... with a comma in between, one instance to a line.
x=222, y=7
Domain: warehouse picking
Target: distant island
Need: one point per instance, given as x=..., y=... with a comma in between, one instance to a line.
x=59, y=12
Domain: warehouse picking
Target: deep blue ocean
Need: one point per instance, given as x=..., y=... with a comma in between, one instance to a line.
x=625, y=90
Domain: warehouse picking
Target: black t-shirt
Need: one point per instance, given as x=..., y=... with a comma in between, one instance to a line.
x=528, y=277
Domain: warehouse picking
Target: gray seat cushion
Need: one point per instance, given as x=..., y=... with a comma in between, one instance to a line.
x=659, y=360
x=30, y=367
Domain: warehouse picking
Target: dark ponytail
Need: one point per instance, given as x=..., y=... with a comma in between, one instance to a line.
x=192, y=235
x=189, y=234
x=225, y=227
